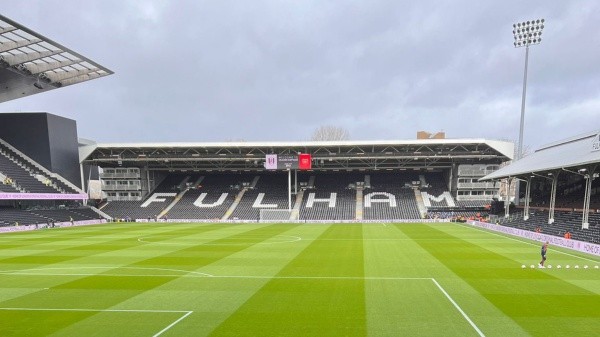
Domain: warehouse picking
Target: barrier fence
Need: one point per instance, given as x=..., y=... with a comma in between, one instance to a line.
x=20, y=228
x=580, y=246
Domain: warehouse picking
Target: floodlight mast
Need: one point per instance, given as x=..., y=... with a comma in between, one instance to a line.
x=526, y=33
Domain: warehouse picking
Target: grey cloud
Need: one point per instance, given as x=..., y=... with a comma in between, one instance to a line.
x=272, y=70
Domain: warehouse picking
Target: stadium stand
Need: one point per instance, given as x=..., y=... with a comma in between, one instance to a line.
x=270, y=192
x=10, y=216
x=563, y=221
x=210, y=198
x=435, y=185
x=570, y=193
x=397, y=193
x=151, y=206
x=63, y=215
x=331, y=197
x=25, y=177
x=568, y=214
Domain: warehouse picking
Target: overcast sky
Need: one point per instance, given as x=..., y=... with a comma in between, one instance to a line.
x=206, y=71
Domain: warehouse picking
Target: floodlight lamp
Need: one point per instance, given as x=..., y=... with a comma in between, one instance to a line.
x=542, y=20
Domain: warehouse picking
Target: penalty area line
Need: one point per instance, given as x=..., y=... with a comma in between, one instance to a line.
x=458, y=307
x=184, y=312
x=209, y=276
x=172, y=324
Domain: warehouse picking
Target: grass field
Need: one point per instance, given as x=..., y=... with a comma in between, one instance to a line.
x=290, y=280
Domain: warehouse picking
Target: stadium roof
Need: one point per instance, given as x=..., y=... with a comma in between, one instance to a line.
x=431, y=153
x=31, y=63
x=573, y=154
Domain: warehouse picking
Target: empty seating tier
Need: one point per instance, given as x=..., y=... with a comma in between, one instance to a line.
x=210, y=198
x=270, y=192
x=390, y=197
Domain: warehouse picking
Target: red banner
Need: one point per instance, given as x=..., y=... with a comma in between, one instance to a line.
x=304, y=161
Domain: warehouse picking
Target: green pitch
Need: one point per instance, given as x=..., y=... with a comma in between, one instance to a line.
x=291, y=280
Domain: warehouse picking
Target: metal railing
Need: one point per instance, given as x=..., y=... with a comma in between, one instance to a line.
x=111, y=187
x=478, y=185
x=132, y=175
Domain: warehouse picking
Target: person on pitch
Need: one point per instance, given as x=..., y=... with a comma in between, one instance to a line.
x=544, y=251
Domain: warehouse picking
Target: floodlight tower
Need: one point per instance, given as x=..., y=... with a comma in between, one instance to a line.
x=526, y=33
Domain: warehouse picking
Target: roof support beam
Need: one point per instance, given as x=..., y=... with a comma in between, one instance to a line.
x=64, y=75
x=36, y=68
x=12, y=60
x=7, y=29
x=10, y=45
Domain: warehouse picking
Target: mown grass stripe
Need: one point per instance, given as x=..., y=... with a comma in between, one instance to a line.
x=408, y=307
x=521, y=296
x=320, y=292
x=107, y=291
x=309, y=286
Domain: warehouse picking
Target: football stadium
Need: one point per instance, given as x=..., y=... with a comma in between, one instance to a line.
x=426, y=236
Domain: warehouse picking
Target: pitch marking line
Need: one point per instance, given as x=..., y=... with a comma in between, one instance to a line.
x=202, y=275
x=33, y=271
x=458, y=307
x=290, y=238
x=185, y=313
x=525, y=242
x=187, y=273
x=172, y=324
